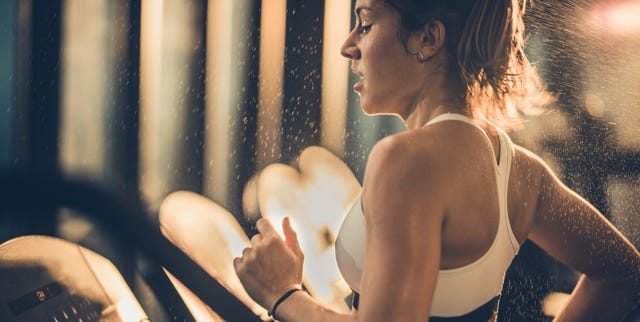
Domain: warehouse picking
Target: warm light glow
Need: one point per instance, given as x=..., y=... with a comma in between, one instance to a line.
x=594, y=105
x=211, y=236
x=228, y=24
x=626, y=18
x=150, y=87
x=218, y=99
x=611, y=70
x=272, y=42
x=620, y=18
x=335, y=75
x=124, y=310
x=166, y=69
x=250, y=206
x=554, y=302
x=86, y=61
x=316, y=197
x=198, y=309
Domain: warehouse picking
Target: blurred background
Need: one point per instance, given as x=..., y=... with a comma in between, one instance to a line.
x=148, y=97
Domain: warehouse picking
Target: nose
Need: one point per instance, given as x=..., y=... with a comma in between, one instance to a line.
x=349, y=48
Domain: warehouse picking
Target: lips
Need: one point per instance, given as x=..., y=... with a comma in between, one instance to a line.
x=357, y=87
x=360, y=84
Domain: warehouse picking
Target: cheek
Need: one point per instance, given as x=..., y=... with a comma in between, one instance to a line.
x=388, y=62
x=383, y=54
x=388, y=74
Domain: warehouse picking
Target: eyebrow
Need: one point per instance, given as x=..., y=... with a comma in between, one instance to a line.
x=361, y=8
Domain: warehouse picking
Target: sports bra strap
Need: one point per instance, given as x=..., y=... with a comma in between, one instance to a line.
x=466, y=119
x=454, y=117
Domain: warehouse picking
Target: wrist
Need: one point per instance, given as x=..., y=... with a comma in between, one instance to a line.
x=284, y=296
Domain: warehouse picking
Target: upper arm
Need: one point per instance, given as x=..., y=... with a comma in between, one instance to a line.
x=573, y=231
x=403, y=222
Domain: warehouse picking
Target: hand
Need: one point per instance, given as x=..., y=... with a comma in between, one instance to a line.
x=270, y=266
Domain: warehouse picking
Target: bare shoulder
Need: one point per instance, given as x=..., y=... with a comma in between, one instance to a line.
x=404, y=156
x=402, y=171
x=533, y=172
x=529, y=170
x=529, y=160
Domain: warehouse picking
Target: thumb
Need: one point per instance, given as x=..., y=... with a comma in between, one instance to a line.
x=290, y=236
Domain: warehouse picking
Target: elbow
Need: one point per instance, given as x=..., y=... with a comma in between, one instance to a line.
x=624, y=277
x=625, y=288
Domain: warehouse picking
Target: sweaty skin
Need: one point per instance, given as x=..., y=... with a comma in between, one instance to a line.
x=429, y=197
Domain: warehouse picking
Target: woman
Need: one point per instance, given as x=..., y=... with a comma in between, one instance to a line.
x=446, y=204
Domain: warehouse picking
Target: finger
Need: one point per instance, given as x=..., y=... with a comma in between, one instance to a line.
x=265, y=228
x=255, y=240
x=291, y=237
x=246, y=252
x=237, y=261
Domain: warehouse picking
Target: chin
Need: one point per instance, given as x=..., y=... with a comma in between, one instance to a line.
x=367, y=107
x=368, y=110
x=374, y=109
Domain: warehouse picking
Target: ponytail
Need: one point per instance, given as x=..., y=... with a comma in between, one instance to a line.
x=486, y=37
x=501, y=83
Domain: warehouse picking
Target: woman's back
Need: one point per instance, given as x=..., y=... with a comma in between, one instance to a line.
x=471, y=157
x=471, y=180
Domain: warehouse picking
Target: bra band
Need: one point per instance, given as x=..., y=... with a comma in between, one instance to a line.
x=484, y=313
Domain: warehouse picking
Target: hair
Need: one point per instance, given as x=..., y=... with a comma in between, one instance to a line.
x=486, y=38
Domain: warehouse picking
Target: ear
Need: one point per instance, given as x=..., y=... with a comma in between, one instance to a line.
x=432, y=40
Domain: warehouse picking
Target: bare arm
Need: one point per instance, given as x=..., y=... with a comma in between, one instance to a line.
x=402, y=249
x=571, y=230
x=271, y=266
x=404, y=218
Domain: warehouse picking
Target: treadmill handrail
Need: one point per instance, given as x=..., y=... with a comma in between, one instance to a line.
x=18, y=189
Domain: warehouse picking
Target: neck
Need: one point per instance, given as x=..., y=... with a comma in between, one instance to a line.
x=420, y=118
x=443, y=92
x=427, y=109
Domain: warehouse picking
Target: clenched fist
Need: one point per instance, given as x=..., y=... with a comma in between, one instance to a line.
x=271, y=265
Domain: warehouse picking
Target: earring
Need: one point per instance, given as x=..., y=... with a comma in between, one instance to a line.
x=421, y=56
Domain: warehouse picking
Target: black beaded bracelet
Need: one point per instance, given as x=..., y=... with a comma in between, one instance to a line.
x=284, y=296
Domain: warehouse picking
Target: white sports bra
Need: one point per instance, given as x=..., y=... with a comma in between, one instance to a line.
x=459, y=290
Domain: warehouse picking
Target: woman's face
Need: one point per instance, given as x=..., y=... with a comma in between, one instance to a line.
x=390, y=75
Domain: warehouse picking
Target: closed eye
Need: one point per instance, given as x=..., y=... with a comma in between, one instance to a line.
x=364, y=29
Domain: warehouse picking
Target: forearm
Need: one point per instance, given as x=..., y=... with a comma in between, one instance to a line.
x=301, y=307
x=599, y=300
